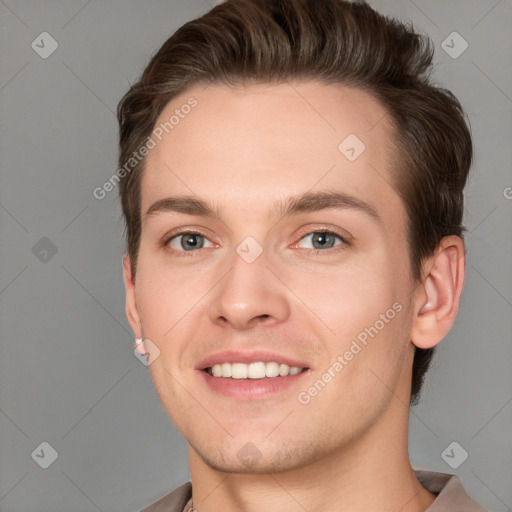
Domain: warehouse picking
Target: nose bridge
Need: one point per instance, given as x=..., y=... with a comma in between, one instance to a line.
x=249, y=290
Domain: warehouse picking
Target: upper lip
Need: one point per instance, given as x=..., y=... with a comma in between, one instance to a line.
x=240, y=356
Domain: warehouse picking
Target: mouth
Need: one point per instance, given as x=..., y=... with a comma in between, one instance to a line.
x=251, y=376
x=256, y=370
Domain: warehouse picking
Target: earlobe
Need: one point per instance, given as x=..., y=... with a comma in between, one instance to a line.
x=438, y=296
x=132, y=313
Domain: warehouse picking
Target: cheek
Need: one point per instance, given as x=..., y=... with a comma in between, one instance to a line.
x=361, y=311
x=348, y=297
x=164, y=296
x=172, y=305
x=365, y=360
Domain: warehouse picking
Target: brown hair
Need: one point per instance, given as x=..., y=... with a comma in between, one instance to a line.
x=333, y=41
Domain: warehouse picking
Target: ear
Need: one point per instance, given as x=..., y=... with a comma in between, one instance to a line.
x=132, y=313
x=437, y=297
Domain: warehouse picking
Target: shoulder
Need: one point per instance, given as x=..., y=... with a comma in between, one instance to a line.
x=172, y=502
x=451, y=496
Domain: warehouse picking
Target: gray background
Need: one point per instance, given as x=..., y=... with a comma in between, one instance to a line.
x=68, y=375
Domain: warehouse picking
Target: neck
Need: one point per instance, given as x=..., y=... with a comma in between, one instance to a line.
x=372, y=473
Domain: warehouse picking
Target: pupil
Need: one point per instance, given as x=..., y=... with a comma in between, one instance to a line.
x=323, y=239
x=190, y=241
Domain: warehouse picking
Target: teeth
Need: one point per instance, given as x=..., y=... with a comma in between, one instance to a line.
x=226, y=370
x=217, y=370
x=238, y=371
x=258, y=370
x=271, y=370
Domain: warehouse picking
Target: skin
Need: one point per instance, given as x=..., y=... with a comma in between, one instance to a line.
x=241, y=149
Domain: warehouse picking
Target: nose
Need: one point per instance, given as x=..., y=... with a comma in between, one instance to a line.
x=249, y=294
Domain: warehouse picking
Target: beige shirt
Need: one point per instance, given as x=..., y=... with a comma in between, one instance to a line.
x=451, y=496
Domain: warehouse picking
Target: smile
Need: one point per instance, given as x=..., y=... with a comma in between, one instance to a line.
x=256, y=370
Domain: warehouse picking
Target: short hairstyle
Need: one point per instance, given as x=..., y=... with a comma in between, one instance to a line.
x=241, y=42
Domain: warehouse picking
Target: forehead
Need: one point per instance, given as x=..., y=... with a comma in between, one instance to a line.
x=246, y=147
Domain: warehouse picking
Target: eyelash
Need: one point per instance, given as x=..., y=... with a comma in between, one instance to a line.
x=345, y=243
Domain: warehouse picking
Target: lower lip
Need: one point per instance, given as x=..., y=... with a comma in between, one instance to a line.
x=251, y=389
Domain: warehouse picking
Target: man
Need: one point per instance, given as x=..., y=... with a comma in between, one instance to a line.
x=293, y=201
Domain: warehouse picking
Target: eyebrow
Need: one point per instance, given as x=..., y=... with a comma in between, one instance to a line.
x=293, y=205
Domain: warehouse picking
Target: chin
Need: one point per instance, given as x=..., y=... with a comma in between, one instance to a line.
x=247, y=457
x=269, y=464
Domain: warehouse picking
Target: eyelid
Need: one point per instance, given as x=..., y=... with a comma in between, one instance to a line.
x=183, y=231
x=344, y=235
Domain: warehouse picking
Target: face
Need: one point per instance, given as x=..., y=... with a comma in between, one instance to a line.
x=270, y=240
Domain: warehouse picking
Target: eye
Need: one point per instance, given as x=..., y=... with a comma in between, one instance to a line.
x=187, y=241
x=323, y=240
